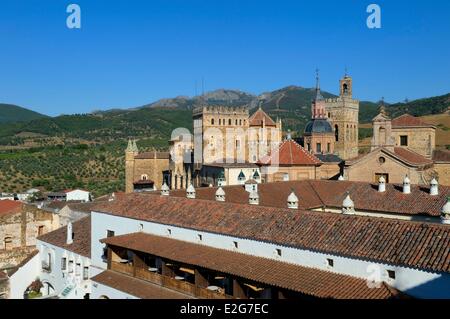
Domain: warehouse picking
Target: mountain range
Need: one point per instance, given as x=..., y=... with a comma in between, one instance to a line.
x=158, y=119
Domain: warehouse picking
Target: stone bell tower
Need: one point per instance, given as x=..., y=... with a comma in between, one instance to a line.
x=343, y=113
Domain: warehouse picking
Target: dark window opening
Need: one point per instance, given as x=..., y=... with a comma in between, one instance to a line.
x=336, y=133
x=318, y=148
x=279, y=252
x=391, y=274
x=235, y=243
x=109, y=233
x=404, y=140
x=330, y=262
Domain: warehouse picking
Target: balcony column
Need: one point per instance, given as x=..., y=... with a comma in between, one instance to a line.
x=200, y=279
x=138, y=262
x=238, y=291
x=167, y=271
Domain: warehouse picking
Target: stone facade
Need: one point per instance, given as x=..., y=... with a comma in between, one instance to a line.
x=143, y=167
x=343, y=113
x=421, y=140
x=289, y=173
x=382, y=162
x=21, y=228
x=443, y=172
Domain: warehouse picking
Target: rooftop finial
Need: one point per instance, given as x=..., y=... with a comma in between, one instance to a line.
x=317, y=79
x=382, y=106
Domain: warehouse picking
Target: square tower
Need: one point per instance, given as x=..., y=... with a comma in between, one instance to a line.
x=343, y=112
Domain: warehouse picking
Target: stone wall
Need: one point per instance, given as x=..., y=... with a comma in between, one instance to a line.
x=367, y=168
x=421, y=140
x=295, y=173
x=443, y=172
x=24, y=226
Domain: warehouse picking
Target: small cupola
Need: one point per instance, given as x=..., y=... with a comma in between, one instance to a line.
x=256, y=176
x=292, y=201
x=406, y=185
x=253, y=198
x=348, y=207
x=382, y=185
x=190, y=192
x=165, y=191
x=241, y=178
x=69, y=239
x=445, y=213
x=434, y=187
x=220, y=195
x=251, y=185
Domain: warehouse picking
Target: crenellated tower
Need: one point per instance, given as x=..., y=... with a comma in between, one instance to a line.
x=343, y=113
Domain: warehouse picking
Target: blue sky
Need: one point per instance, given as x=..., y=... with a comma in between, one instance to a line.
x=129, y=53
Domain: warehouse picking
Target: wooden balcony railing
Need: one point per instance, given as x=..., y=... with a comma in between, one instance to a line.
x=122, y=268
x=168, y=282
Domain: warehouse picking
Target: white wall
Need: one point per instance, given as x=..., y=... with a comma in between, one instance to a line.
x=23, y=277
x=78, y=194
x=59, y=278
x=407, y=279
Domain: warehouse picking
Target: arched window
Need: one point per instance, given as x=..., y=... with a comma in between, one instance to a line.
x=144, y=177
x=8, y=242
x=345, y=88
x=229, y=121
x=212, y=121
x=220, y=122
x=336, y=132
x=236, y=122
x=240, y=122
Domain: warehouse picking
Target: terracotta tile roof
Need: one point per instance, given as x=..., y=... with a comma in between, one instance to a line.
x=258, y=117
x=403, y=243
x=9, y=207
x=143, y=182
x=411, y=157
x=152, y=155
x=408, y=120
x=327, y=193
x=441, y=156
x=82, y=237
x=136, y=287
x=290, y=153
x=310, y=281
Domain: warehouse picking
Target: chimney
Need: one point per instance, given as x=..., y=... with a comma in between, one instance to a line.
x=165, y=191
x=190, y=192
x=406, y=185
x=220, y=195
x=434, y=188
x=445, y=213
x=69, y=239
x=382, y=185
x=348, y=207
x=253, y=198
x=292, y=201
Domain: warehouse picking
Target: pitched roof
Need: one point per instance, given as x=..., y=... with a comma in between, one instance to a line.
x=290, y=153
x=136, y=287
x=411, y=157
x=409, y=120
x=441, y=156
x=310, y=281
x=152, y=155
x=258, y=117
x=405, y=155
x=82, y=237
x=327, y=193
x=9, y=206
x=404, y=243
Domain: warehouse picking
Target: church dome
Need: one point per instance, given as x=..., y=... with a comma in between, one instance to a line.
x=318, y=126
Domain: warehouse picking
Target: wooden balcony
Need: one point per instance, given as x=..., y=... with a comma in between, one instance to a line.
x=168, y=282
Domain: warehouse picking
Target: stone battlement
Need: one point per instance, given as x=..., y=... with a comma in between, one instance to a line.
x=223, y=110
